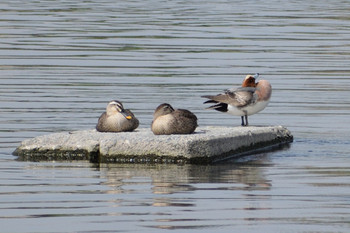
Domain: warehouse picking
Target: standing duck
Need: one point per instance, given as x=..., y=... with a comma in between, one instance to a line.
x=167, y=120
x=117, y=119
x=247, y=100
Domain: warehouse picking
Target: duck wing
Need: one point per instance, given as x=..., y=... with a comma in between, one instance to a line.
x=185, y=113
x=101, y=122
x=239, y=97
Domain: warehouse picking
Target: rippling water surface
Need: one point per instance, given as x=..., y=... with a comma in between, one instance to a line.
x=62, y=61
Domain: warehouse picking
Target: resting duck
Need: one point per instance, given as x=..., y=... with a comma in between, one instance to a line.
x=167, y=120
x=117, y=119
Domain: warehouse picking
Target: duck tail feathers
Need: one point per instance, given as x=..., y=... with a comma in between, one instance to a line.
x=221, y=107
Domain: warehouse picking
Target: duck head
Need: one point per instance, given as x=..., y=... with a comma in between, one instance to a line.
x=163, y=109
x=116, y=107
x=249, y=80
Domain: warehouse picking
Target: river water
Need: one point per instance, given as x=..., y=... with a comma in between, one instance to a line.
x=61, y=62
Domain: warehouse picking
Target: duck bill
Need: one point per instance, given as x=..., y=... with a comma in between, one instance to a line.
x=126, y=115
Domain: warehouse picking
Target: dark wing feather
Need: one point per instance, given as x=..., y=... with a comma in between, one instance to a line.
x=210, y=102
x=221, y=107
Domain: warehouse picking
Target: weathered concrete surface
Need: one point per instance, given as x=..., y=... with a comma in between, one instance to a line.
x=206, y=145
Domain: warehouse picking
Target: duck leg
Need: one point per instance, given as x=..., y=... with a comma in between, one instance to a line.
x=246, y=119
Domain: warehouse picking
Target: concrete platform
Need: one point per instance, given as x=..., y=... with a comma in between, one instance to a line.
x=206, y=145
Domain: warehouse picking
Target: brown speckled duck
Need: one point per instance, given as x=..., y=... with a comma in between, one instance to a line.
x=117, y=119
x=167, y=120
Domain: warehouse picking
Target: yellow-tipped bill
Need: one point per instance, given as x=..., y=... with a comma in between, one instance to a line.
x=125, y=114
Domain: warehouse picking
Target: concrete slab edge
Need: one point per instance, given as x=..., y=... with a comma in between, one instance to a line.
x=43, y=148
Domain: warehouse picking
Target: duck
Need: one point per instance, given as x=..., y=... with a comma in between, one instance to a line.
x=167, y=120
x=117, y=119
x=244, y=101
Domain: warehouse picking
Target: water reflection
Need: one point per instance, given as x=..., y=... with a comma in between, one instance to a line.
x=180, y=191
x=171, y=179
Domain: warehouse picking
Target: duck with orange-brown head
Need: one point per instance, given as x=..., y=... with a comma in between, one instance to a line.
x=244, y=101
